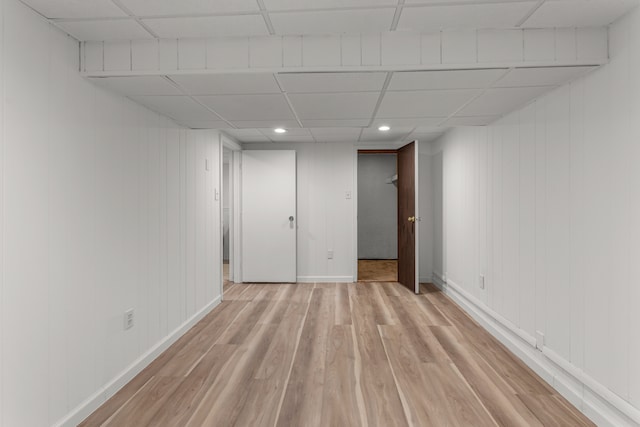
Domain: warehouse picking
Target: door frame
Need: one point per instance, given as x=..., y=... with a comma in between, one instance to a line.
x=235, y=189
x=373, y=147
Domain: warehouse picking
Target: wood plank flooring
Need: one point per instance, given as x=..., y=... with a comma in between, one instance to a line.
x=377, y=270
x=326, y=354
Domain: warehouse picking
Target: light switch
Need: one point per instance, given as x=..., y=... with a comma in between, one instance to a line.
x=347, y=194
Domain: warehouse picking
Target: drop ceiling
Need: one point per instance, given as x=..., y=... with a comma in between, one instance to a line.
x=330, y=106
x=340, y=106
x=132, y=19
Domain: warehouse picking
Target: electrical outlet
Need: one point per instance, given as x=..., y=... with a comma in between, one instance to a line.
x=330, y=254
x=539, y=340
x=481, y=282
x=128, y=319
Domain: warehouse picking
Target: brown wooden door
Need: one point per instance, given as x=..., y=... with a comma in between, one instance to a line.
x=407, y=216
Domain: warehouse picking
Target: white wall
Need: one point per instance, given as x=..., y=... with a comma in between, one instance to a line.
x=104, y=206
x=546, y=204
x=326, y=218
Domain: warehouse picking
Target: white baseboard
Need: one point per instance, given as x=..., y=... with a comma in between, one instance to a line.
x=598, y=403
x=92, y=403
x=325, y=279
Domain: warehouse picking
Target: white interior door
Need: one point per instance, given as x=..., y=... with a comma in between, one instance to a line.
x=269, y=216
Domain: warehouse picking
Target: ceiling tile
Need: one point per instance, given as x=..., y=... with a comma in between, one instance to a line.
x=139, y=85
x=374, y=135
x=112, y=29
x=429, y=103
x=492, y=15
x=227, y=84
x=249, y=107
x=470, y=121
x=188, y=7
x=336, y=134
x=428, y=129
x=248, y=124
x=411, y=122
x=209, y=124
x=331, y=82
x=314, y=123
x=450, y=79
x=75, y=9
x=209, y=26
x=578, y=13
x=549, y=76
x=325, y=4
x=254, y=139
x=293, y=135
x=240, y=133
x=333, y=22
x=495, y=102
x=177, y=107
x=359, y=105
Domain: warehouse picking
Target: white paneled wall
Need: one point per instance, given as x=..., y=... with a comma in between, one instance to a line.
x=326, y=171
x=104, y=206
x=546, y=204
x=398, y=50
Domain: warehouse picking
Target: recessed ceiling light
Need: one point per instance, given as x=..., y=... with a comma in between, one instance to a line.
x=280, y=130
x=384, y=128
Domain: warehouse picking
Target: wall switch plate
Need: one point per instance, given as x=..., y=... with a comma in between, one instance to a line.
x=347, y=194
x=216, y=194
x=481, y=282
x=330, y=254
x=206, y=164
x=539, y=340
x=128, y=319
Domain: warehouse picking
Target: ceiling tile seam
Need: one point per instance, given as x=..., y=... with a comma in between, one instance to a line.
x=286, y=97
x=530, y=13
x=196, y=100
x=266, y=136
x=332, y=9
x=266, y=17
x=452, y=3
x=126, y=10
x=396, y=15
x=383, y=92
x=133, y=16
x=482, y=92
x=27, y=5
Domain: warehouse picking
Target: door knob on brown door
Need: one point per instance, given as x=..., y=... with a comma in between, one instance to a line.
x=412, y=219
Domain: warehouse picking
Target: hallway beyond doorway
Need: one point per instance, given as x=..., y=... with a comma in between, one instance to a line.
x=377, y=270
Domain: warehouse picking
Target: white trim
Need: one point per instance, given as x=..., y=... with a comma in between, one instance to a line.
x=596, y=401
x=94, y=401
x=325, y=279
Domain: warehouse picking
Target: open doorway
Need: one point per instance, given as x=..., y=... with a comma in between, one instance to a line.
x=377, y=216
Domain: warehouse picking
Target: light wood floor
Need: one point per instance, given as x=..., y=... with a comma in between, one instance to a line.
x=377, y=270
x=336, y=355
